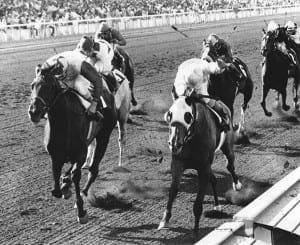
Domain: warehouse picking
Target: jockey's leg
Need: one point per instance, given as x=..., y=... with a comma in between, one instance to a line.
x=120, y=60
x=111, y=81
x=219, y=107
x=90, y=73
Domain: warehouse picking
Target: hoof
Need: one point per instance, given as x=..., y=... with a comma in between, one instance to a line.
x=84, y=219
x=56, y=193
x=268, y=114
x=66, y=193
x=238, y=186
x=218, y=208
x=285, y=107
x=163, y=225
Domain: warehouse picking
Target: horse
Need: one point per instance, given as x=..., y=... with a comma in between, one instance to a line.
x=194, y=137
x=123, y=64
x=275, y=69
x=68, y=133
x=224, y=86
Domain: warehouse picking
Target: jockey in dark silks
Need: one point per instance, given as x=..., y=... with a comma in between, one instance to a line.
x=224, y=51
x=112, y=36
x=284, y=42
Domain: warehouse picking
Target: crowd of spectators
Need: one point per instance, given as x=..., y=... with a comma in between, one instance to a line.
x=28, y=11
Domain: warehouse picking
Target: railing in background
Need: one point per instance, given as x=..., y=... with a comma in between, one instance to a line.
x=46, y=30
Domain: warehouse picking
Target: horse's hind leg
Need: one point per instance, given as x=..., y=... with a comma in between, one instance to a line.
x=227, y=149
x=213, y=181
x=295, y=94
x=247, y=96
x=263, y=101
x=283, y=98
x=121, y=129
x=177, y=171
x=76, y=176
x=102, y=142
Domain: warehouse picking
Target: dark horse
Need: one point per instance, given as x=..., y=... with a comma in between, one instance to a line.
x=276, y=69
x=68, y=132
x=194, y=136
x=224, y=86
x=125, y=65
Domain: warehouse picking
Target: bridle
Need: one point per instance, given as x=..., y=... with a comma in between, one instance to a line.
x=47, y=106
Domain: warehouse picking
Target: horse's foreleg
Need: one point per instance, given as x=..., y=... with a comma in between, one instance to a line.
x=229, y=153
x=263, y=101
x=102, y=142
x=76, y=176
x=203, y=177
x=56, y=171
x=283, y=99
x=177, y=171
x=66, y=184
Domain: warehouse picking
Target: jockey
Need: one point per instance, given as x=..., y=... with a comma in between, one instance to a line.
x=192, y=79
x=112, y=36
x=103, y=56
x=284, y=43
x=73, y=70
x=224, y=51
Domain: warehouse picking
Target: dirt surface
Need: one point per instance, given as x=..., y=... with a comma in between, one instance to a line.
x=30, y=215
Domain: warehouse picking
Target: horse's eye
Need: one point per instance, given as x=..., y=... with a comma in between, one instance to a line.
x=188, y=117
x=168, y=117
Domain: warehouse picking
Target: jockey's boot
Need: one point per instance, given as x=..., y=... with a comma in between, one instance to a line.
x=219, y=107
x=112, y=82
x=237, y=75
x=120, y=60
x=94, y=111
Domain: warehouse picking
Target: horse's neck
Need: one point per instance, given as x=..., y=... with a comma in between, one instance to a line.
x=204, y=118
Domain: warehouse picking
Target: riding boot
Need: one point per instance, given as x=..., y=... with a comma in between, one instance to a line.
x=219, y=107
x=90, y=73
x=112, y=82
x=120, y=61
x=236, y=72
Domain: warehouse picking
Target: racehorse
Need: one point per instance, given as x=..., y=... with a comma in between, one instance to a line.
x=68, y=134
x=275, y=69
x=194, y=136
x=224, y=86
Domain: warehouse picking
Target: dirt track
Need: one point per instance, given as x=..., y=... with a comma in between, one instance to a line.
x=29, y=215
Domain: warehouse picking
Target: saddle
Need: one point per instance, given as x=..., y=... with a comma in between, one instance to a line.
x=114, y=80
x=241, y=81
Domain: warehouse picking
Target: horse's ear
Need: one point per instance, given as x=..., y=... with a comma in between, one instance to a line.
x=38, y=69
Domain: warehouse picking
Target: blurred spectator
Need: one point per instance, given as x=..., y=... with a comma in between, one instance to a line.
x=27, y=11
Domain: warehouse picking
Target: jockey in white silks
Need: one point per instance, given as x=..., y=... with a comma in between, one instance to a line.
x=73, y=70
x=293, y=32
x=192, y=79
x=102, y=52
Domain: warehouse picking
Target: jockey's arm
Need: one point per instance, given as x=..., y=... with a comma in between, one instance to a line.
x=90, y=73
x=117, y=38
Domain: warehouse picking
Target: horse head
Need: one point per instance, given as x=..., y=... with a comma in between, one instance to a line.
x=180, y=119
x=43, y=91
x=271, y=38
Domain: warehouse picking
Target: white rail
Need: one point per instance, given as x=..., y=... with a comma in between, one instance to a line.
x=272, y=216
x=46, y=30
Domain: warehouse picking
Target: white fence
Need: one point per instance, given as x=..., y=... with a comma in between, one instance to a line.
x=272, y=218
x=46, y=30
